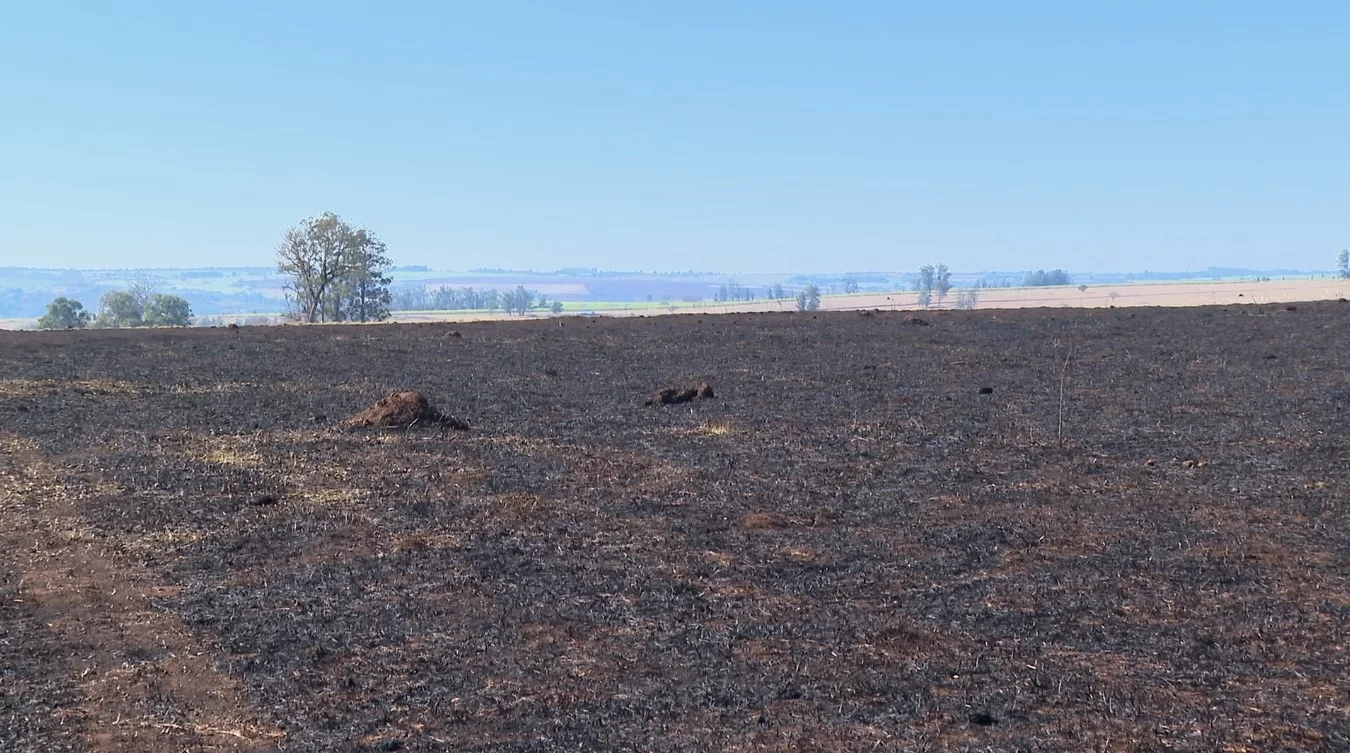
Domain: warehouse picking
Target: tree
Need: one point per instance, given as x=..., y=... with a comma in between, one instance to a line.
x=732, y=291
x=1343, y=263
x=335, y=270
x=142, y=288
x=809, y=299
x=924, y=284
x=850, y=284
x=968, y=298
x=942, y=282
x=518, y=301
x=167, y=311
x=65, y=313
x=119, y=308
x=411, y=299
x=777, y=292
x=508, y=301
x=557, y=308
x=362, y=294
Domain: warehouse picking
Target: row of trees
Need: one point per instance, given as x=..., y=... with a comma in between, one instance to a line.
x=935, y=280
x=446, y=298
x=1041, y=278
x=1343, y=264
x=138, y=306
x=808, y=298
x=520, y=301
x=731, y=292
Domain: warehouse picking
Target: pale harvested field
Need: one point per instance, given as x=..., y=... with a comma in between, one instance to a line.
x=1096, y=296
x=1157, y=294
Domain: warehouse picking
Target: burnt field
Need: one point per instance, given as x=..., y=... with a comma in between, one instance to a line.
x=1036, y=530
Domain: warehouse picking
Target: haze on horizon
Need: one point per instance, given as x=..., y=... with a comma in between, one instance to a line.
x=763, y=136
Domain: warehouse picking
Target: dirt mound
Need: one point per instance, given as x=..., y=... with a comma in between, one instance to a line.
x=915, y=321
x=673, y=395
x=404, y=408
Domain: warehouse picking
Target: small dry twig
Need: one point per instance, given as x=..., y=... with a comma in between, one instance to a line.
x=1063, y=380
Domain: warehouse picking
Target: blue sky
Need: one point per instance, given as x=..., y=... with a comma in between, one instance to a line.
x=735, y=137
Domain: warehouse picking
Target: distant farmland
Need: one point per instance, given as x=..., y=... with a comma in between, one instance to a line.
x=1095, y=296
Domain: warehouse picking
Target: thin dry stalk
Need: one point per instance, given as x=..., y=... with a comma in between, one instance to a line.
x=1063, y=381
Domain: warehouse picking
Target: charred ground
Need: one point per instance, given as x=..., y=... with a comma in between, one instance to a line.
x=1025, y=530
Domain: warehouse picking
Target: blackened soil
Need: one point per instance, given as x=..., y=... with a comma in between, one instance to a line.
x=854, y=547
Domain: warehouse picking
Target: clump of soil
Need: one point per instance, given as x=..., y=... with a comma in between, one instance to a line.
x=763, y=521
x=673, y=395
x=915, y=321
x=404, y=408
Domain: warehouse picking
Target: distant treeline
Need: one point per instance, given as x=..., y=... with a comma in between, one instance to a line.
x=1041, y=278
x=447, y=298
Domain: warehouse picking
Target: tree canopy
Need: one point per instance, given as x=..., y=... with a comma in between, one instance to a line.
x=141, y=306
x=167, y=311
x=942, y=282
x=1042, y=278
x=65, y=313
x=336, y=271
x=518, y=301
x=120, y=308
x=809, y=299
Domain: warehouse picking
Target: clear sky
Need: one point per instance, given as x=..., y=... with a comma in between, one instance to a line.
x=728, y=136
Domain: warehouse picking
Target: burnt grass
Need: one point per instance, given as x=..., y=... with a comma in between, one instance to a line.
x=1038, y=530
